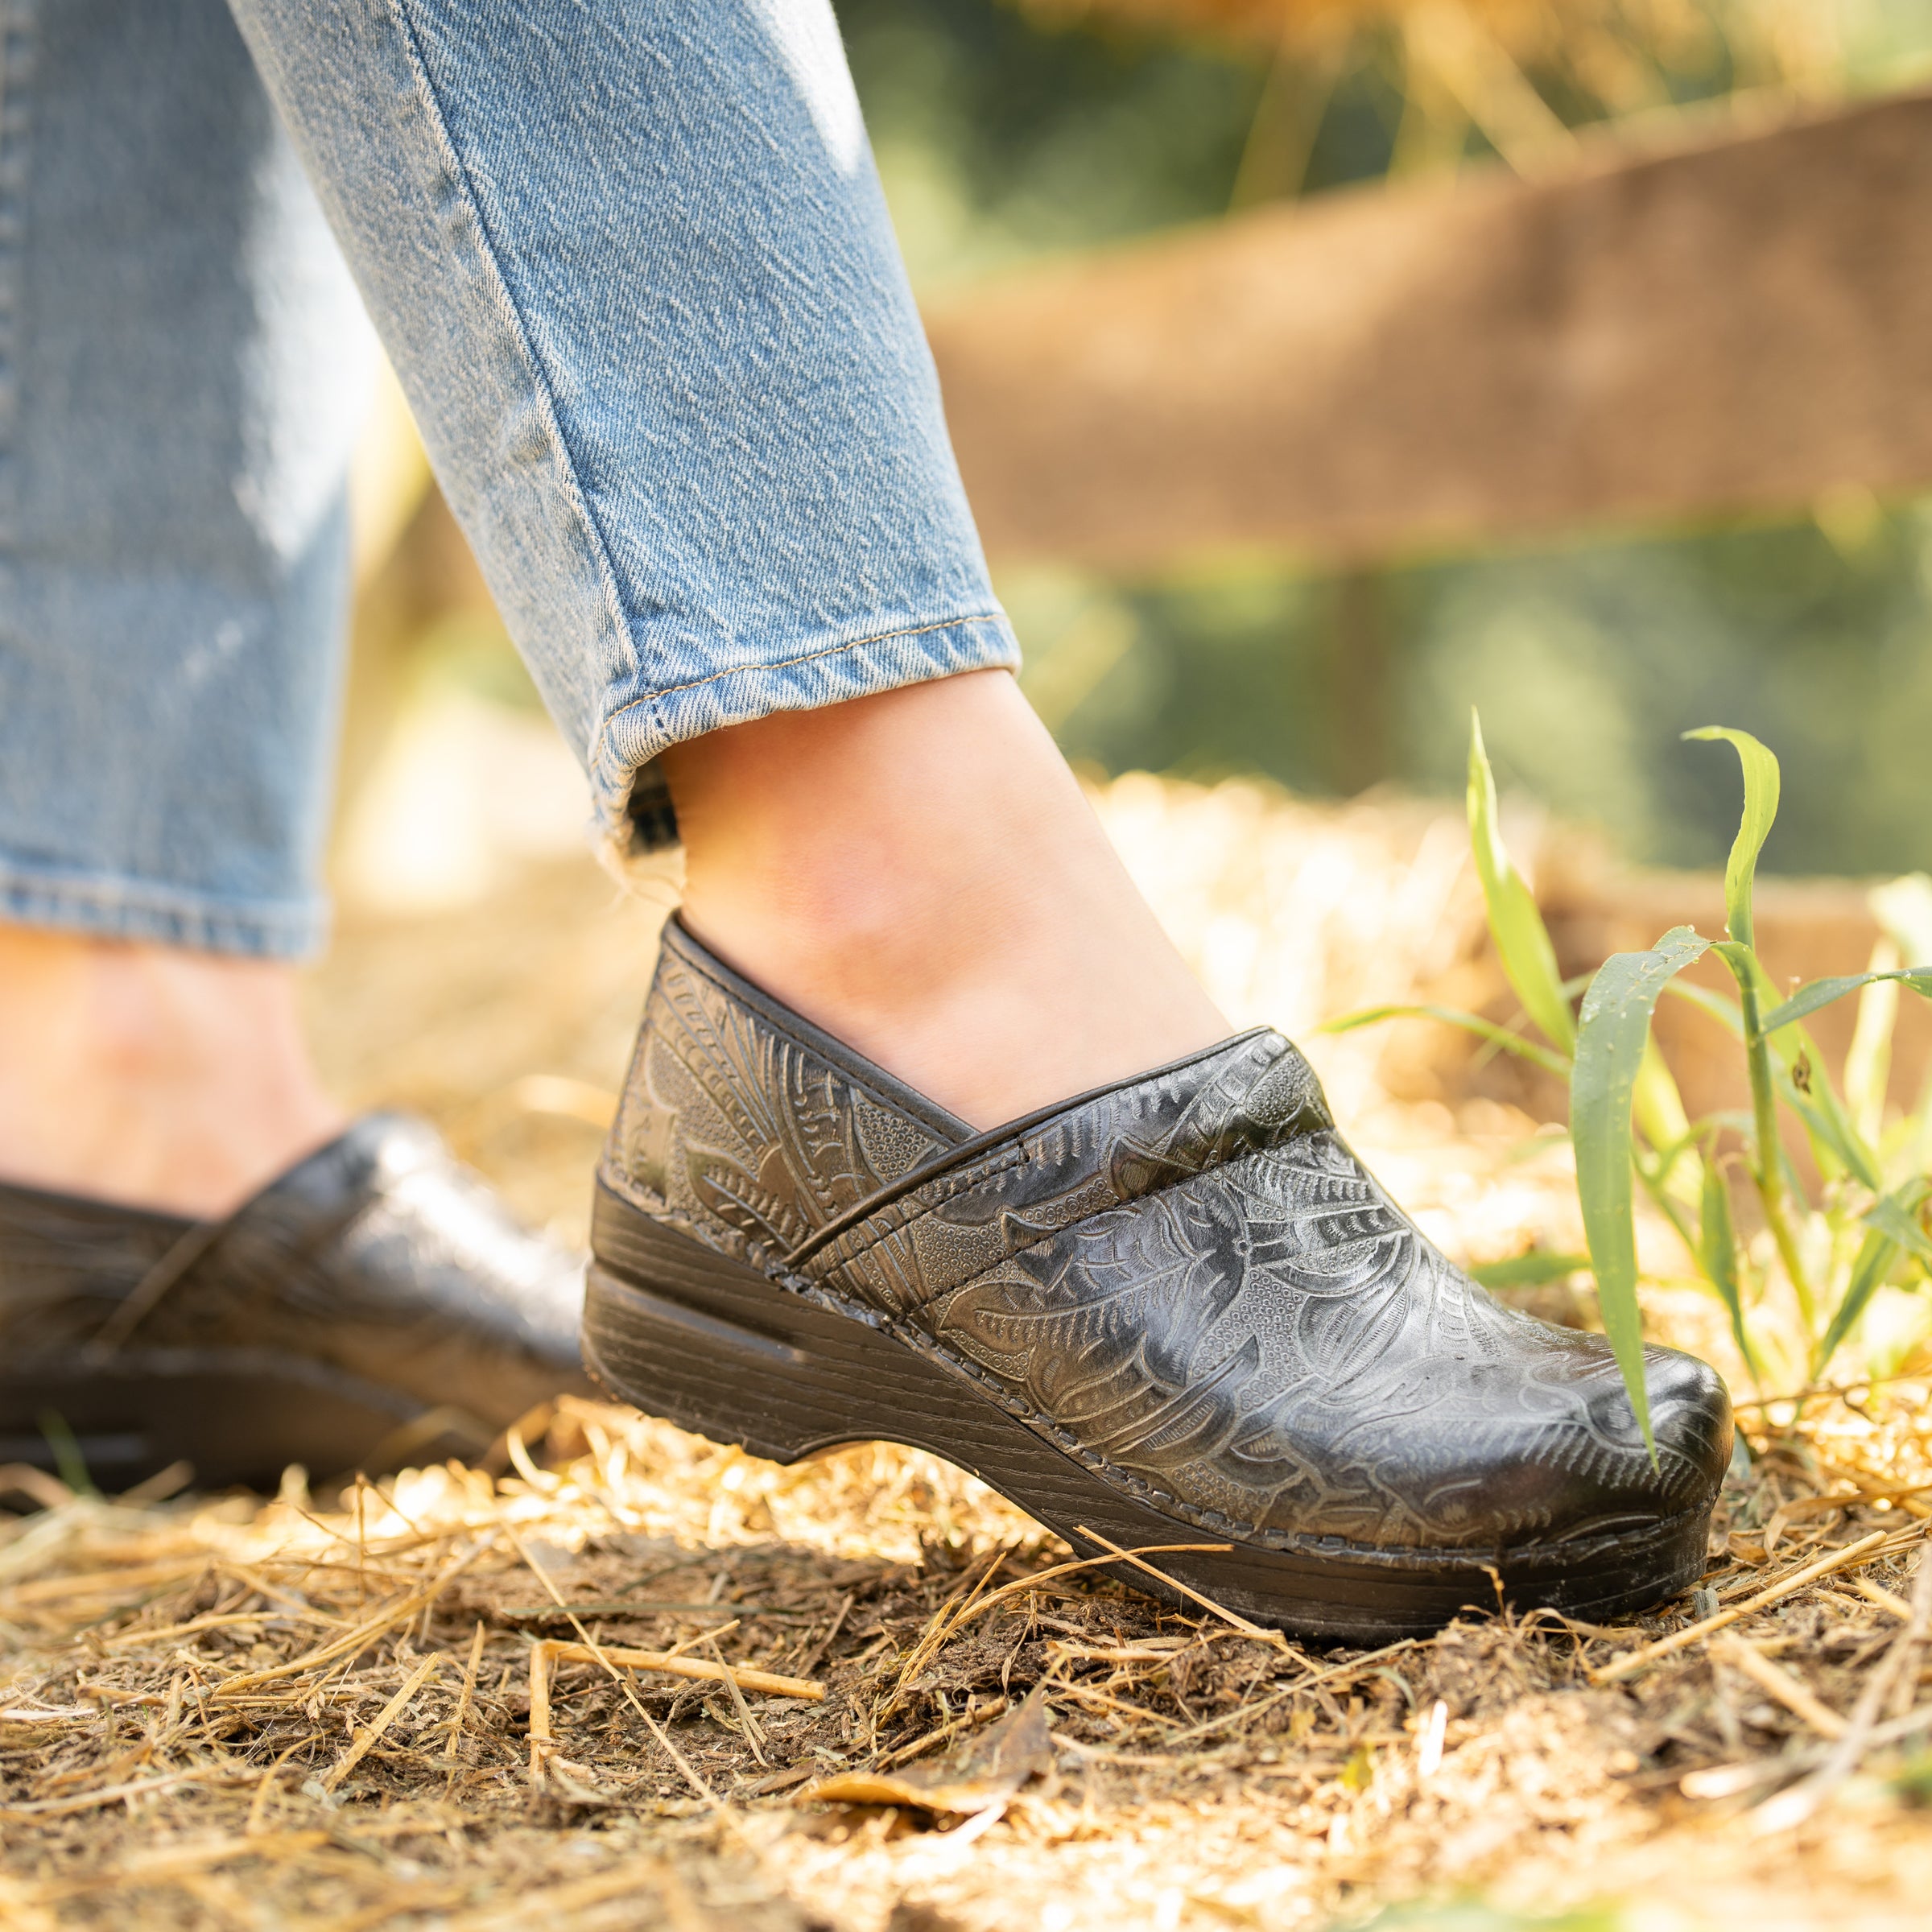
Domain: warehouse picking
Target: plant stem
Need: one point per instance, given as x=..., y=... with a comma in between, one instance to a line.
x=1765, y=1171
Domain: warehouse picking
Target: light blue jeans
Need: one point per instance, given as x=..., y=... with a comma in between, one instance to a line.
x=630, y=261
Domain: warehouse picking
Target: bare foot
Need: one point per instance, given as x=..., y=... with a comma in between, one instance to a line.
x=150, y=1076
x=918, y=873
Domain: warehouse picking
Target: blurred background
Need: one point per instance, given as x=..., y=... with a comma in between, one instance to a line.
x=1566, y=357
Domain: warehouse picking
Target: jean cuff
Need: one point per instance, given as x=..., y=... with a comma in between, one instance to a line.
x=634, y=805
x=108, y=907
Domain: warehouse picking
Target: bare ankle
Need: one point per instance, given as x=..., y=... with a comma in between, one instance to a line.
x=150, y=1075
x=918, y=873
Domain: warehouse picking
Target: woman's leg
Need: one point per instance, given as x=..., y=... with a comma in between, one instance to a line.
x=634, y=269
x=183, y=356
x=633, y=265
x=157, y=1076
x=918, y=873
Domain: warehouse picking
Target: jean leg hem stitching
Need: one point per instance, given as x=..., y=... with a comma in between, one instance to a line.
x=655, y=698
x=611, y=788
x=829, y=651
x=246, y=930
x=109, y=893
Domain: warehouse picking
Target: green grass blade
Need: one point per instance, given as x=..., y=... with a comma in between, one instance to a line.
x=1787, y=1054
x=1528, y=1270
x=1807, y=999
x=1754, y=826
x=1739, y=952
x=1522, y=940
x=1835, y=1140
x=1769, y=1164
x=1656, y=1104
x=1609, y=1051
x=1717, y=1255
x=1895, y=1215
x=1665, y=1164
x=1893, y=1229
x=69, y=1463
x=1796, y=1074
x=1877, y=1254
x=1454, y=1016
x=1868, y=1059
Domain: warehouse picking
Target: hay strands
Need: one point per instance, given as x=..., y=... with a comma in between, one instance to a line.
x=136, y=1788
x=1861, y=1551
x=1240, y=1623
x=1898, y=1667
x=974, y=1605
x=1779, y=1684
x=354, y=1642
x=389, y=1712
x=548, y=1651
x=1888, y=1600
x=542, y=1747
x=978, y=1777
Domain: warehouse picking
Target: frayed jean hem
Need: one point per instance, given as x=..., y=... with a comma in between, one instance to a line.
x=105, y=907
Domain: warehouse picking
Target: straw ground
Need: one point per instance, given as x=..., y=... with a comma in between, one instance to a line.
x=876, y=1696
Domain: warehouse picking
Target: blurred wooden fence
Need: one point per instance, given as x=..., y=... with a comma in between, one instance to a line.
x=1742, y=327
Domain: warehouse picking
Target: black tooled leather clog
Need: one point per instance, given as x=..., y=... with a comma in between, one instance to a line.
x=376, y=1304
x=1177, y=1311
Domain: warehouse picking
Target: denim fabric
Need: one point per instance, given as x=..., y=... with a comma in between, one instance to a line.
x=631, y=261
x=182, y=356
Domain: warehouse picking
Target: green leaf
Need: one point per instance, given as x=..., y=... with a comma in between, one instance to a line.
x=1832, y=1131
x=1754, y=827
x=1836, y=1143
x=1893, y=1222
x=1893, y=1215
x=1522, y=940
x=1717, y=1254
x=1657, y=1105
x=1454, y=1016
x=1609, y=1051
x=1528, y=1270
x=1807, y=999
x=1768, y=1161
x=1868, y=1064
x=1875, y=1255
x=69, y=1459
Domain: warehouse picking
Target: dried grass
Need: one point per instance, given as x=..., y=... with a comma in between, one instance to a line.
x=317, y=1711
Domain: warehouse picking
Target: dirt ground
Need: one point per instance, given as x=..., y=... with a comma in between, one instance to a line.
x=404, y=1704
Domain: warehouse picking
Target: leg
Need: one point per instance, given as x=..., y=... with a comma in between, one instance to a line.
x=918, y=873
x=194, y=1263
x=640, y=285
x=150, y=1075
x=633, y=268
x=185, y=358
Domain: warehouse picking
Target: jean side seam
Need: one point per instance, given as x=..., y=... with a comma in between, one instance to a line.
x=807, y=657
x=540, y=383
x=18, y=22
